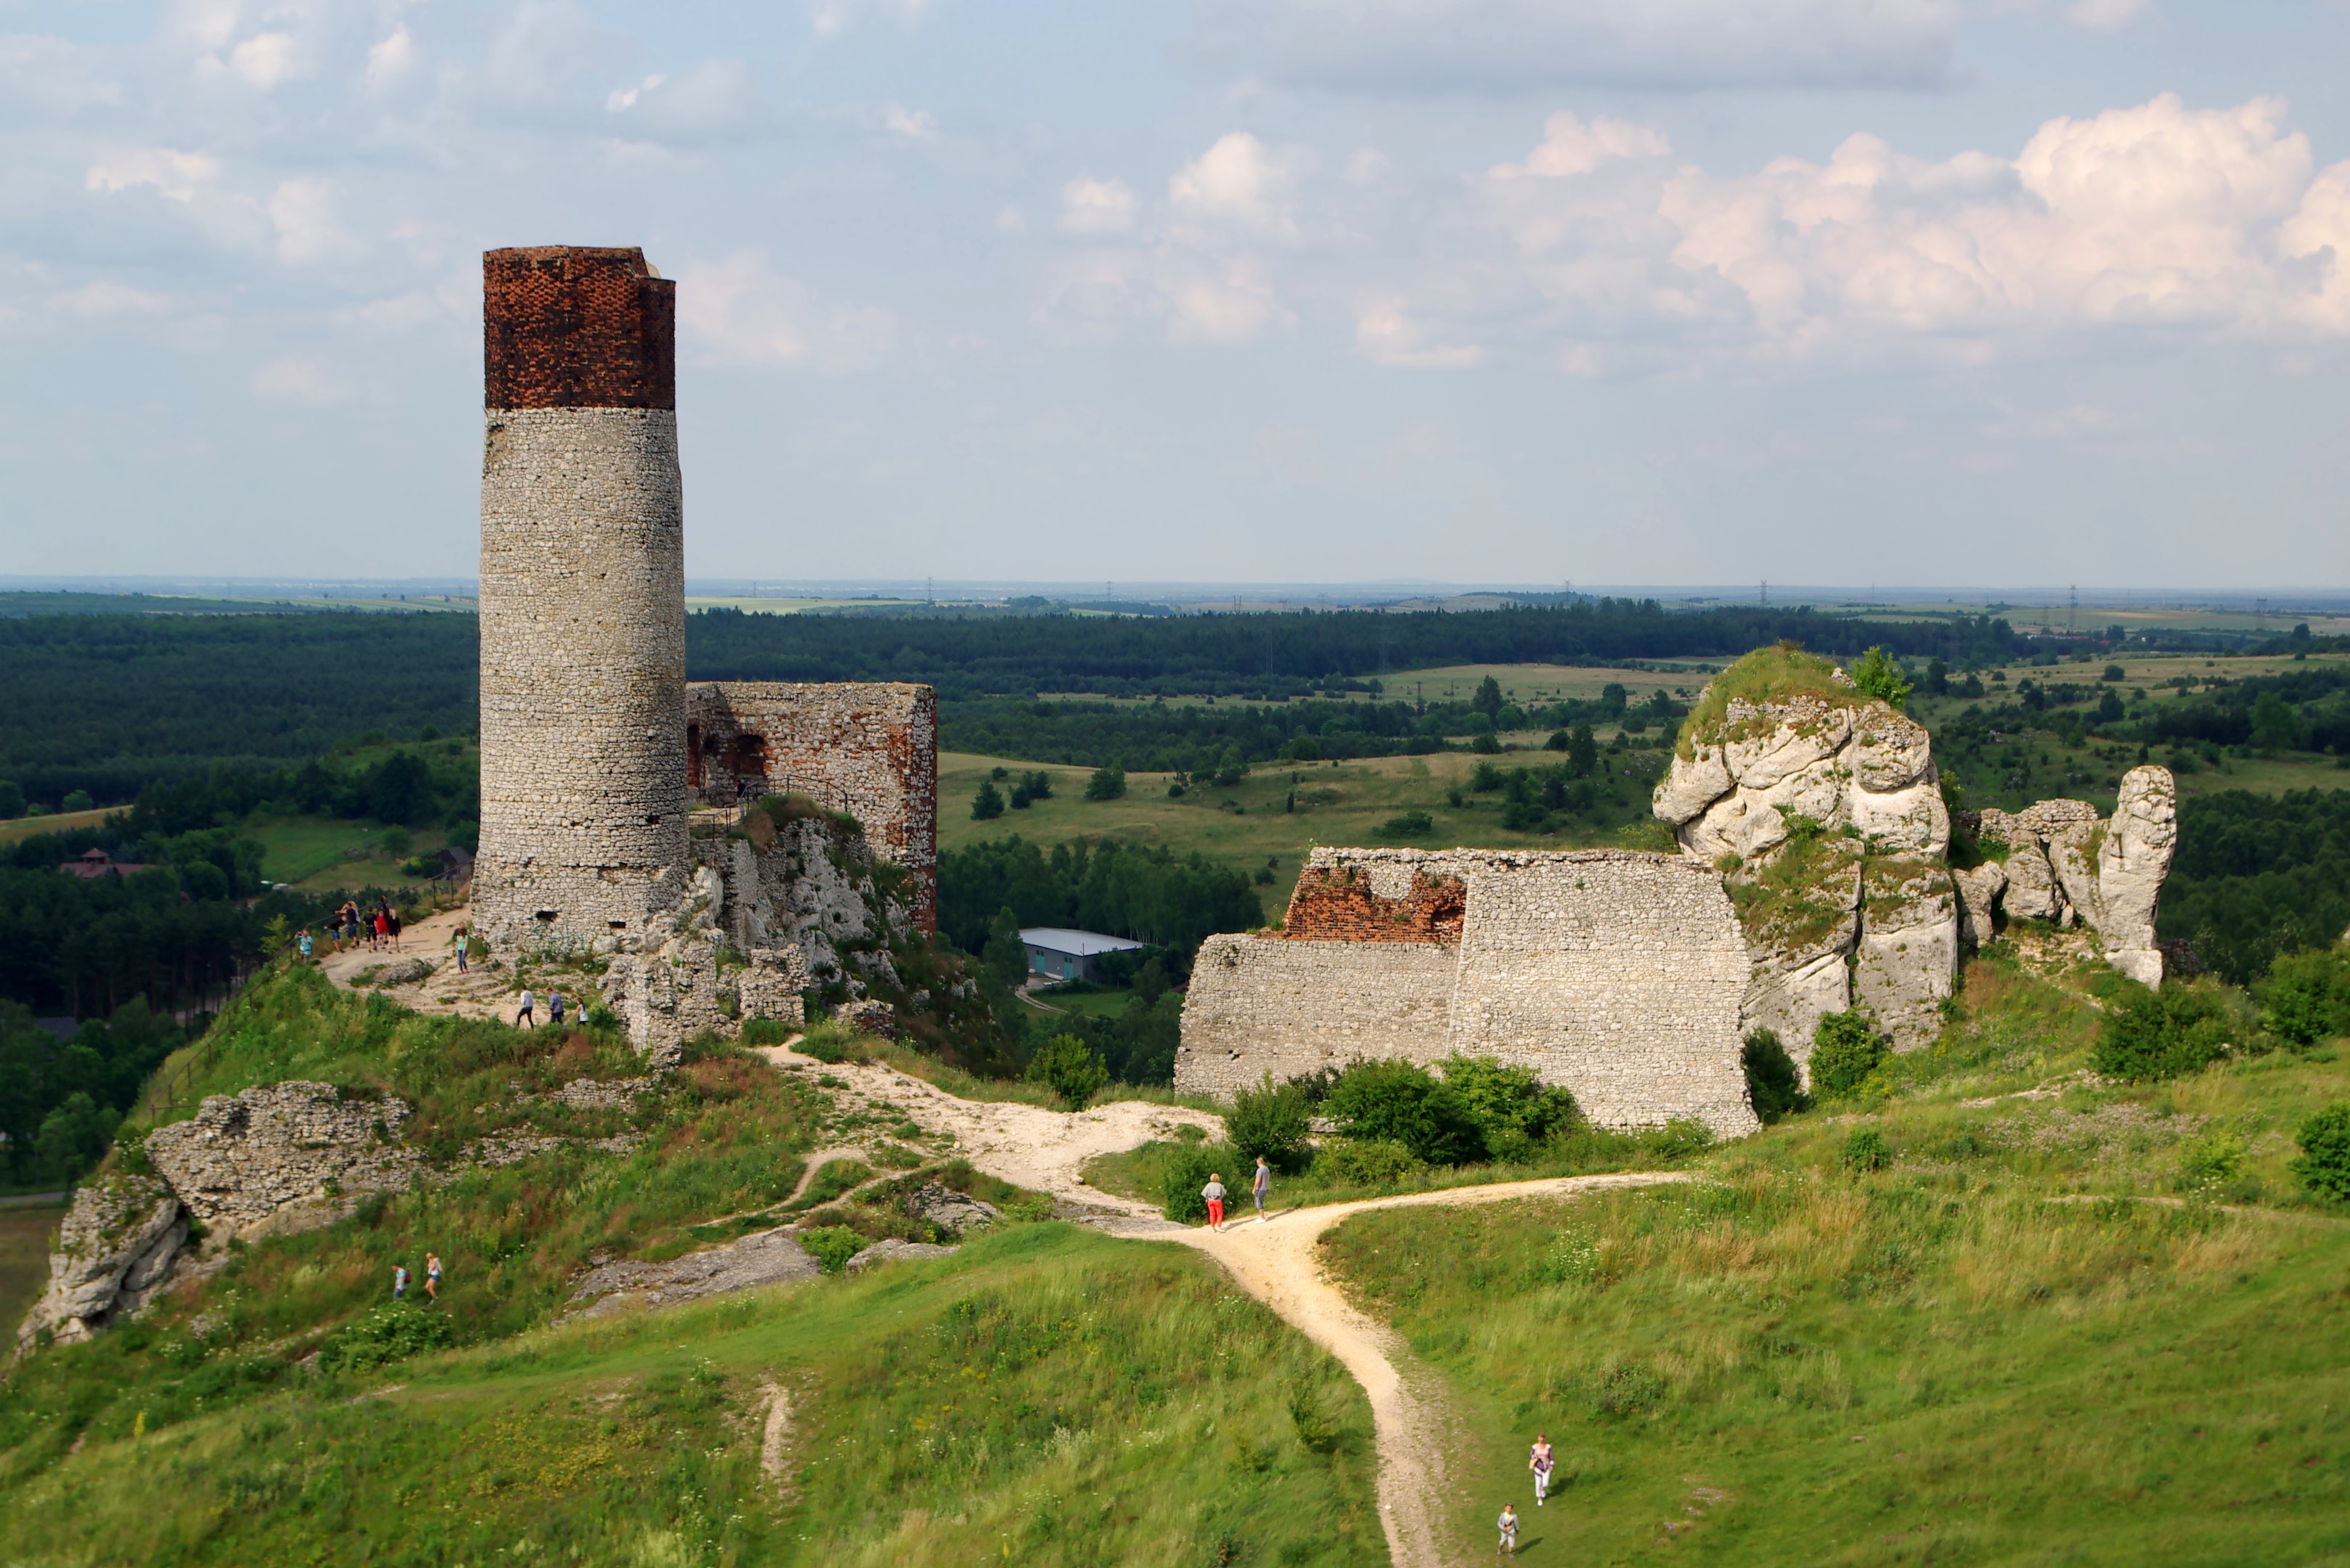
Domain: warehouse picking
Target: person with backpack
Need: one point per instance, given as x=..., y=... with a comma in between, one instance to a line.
x=1214, y=1193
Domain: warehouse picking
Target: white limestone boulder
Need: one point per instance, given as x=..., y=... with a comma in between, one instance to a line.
x=121, y=1237
x=1692, y=784
x=2132, y=861
x=1890, y=753
x=1776, y=741
x=1908, y=960
x=1978, y=889
x=1907, y=821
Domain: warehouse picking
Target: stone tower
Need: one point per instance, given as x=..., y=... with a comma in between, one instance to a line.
x=583, y=600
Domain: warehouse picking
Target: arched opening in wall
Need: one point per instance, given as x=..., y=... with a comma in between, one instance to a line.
x=747, y=761
x=693, y=756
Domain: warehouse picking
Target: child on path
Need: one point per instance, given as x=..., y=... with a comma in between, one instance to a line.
x=463, y=941
x=432, y=1276
x=1261, y=1186
x=1214, y=1193
x=305, y=943
x=1541, y=1462
x=398, y=1281
x=1509, y=1523
x=524, y=1016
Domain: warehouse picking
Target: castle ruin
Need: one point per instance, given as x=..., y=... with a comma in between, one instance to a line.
x=596, y=753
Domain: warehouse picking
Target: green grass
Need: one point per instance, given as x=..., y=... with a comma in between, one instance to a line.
x=2030, y=1338
x=1046, y=1397
x=1766, y=675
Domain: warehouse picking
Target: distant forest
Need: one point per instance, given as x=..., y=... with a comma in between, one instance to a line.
x=107, y=704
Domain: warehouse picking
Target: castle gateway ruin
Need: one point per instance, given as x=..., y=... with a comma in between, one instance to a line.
x=595, y=750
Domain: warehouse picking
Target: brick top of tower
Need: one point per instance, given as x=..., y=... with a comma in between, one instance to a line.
x=577, y=326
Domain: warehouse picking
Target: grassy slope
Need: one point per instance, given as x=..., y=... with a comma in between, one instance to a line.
x=1047, y=1395
x=1932, y=1363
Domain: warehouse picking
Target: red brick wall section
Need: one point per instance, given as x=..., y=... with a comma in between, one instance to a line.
x=577, y=326
x=1338, y=906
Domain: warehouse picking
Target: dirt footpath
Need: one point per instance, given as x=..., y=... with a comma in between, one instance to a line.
x=1027, y=1146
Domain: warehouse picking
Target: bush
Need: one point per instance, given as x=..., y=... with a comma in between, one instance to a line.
x=1410, y=825
x=1484, y=743
x=2324, y=1165
x=1397, y=1102
x=1845, y=1049
x=387, y=1333
x=2167, y=1033
x=1678, y=1138
x=1510, y=1104
x=830, y=1040
x=2306, y=997
x=1774, y=1085
x=832, y=1246
x=1865, y=1150
x=1272, y=1122
x=988, y=804
x=1187, y=1169
x=1071, y=1067
x=1366, y=1162
x=1880, y=677
x=1109, y=782
x=762, y=1031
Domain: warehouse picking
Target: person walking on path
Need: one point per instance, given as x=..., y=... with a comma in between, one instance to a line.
x=1509, y=1526
x=463, y=942
x=1261, y=1186
x=1214, y=1193
x=399, y=1282
x=554, y=1008
x=382, y=928
x=304, y=943
x=525, y=1018
x=391, y=924
x=1542, y=1463
x=432, y=1276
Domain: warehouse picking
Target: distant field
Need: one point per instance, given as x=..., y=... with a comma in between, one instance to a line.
x=55, y=821
x=24, y=1257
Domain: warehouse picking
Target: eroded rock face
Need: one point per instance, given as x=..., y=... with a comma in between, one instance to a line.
x=115, y=1249
x=282, y=1156
x=1833, y=809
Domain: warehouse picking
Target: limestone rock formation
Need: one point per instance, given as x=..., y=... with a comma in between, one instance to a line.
x=951, y=1211
x=1824, y=810
x=890, y=1249
x=115, y=1248
x=281, y=1157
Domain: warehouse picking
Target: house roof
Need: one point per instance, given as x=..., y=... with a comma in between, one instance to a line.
x=1076, y=944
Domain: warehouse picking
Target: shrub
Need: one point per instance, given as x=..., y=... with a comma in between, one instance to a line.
x=1865, y=1150
x=2306, y=997
x=2167, y=1033
x=1272, y=1122
x=2324, y=1165
x=1774, y=1085
x=1186, y=1171
x=2215, y=1158
x=1071, y=1067
x=387, y=1333
x=988, y=804
x=1878, y=676
x=1624, y=1389
x=1409, y=825
x=1845, y=1049
x=1109, y=782
x=1366, y=1162
x=1397, y=1102
x=1510, y=1104
x=762, y=1031
x=832, y=1246
x=1678, y=1138
x=829, y=1040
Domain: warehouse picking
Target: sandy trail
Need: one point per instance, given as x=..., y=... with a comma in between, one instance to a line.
x=1027, y=1146
x=1276, y=1263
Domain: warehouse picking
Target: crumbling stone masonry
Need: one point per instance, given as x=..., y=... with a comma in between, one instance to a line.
x=871, y=751
x=583, y=598
x=1615, y=974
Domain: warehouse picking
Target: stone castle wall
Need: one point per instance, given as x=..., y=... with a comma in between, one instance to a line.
x=869, y=750
x=1615, y=974
x=582, y=600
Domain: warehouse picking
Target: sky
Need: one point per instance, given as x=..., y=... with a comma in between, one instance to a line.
x=1529, y=291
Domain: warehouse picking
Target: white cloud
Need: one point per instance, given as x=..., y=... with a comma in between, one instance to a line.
x=267, y=59
x=831, y=18
x=303, y=212
x=2104, y=16
x=713, y=102
x=178, y=175
x=744, y=312
x=2153, y=216
x=913, y=124
x=1446, y=46
x=390, y=60
x=1240, y=186
x=1091, y=206
x=1387, y=335
x=1231, y=304
x=297, y=380
x=1011, y=220
x=104, y=298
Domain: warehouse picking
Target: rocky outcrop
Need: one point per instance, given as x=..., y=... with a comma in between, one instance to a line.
x=115, y=1249
x=763, y=1257
x=951, y=1211
x=282, y=1158
x=1823, y=811
x=2059, y=861
x=891, y=1249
